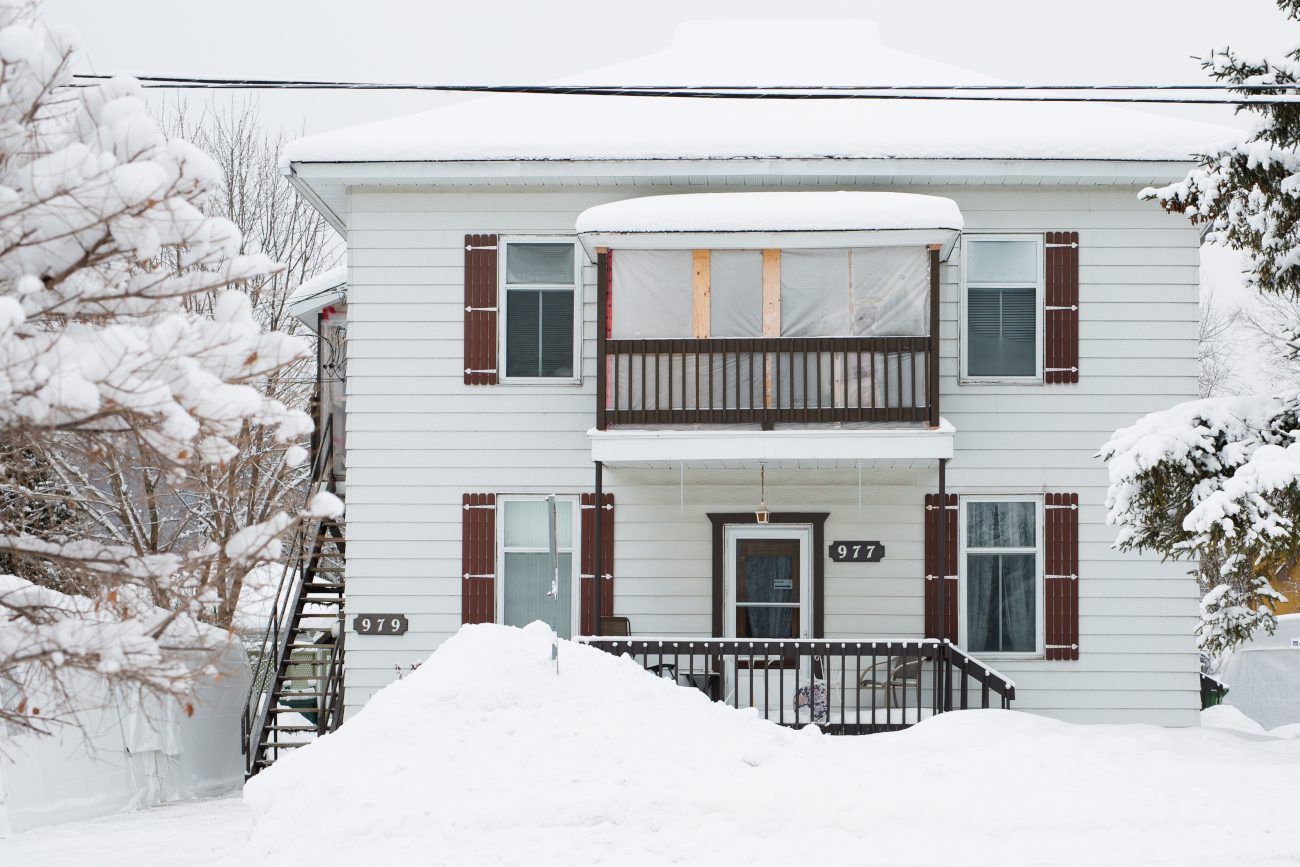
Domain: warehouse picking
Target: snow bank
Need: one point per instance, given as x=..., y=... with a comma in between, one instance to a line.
x=485, y=756
x=758, y=53
x=1225, y=717
x=773, y=212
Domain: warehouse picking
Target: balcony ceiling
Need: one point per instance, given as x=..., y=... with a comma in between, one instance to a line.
x=879, y=448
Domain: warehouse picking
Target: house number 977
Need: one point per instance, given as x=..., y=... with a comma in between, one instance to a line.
x=857, y=552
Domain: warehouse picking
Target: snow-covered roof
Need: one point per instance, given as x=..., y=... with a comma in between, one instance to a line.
x=775, y=219
x=773, y=212
x=578, y=127
x=329, y=287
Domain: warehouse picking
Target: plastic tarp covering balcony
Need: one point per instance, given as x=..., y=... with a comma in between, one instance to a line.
x=1263, y=676
x=859, y=292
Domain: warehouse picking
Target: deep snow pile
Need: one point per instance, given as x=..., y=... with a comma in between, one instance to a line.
x=485, y=756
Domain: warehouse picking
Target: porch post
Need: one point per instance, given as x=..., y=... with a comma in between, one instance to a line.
x=943, y=533
x=602, y=329
x=932, y=366
x=940, y=631
x=598, y=556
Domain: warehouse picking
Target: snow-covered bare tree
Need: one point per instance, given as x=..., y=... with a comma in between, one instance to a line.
x=254, y=482
x=106, y=346
x=1216, y=353
x=1219, y=479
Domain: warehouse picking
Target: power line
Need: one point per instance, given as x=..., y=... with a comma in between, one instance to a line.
x=1267, y=93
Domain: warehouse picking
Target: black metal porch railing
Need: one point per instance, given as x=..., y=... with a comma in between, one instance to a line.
x=768, y=380
x=846, y=686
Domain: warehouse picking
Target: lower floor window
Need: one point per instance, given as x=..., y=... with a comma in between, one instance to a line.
x=1002, y=575
x=526, y=561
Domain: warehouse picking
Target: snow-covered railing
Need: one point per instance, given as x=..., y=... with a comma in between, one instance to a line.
x=846, y=686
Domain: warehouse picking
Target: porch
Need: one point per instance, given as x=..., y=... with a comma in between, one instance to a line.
x=846, y=686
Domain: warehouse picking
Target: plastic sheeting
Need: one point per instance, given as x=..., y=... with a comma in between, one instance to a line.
x=1263, y=677
x=862, y=292
x=653, y=294
x=127, y=754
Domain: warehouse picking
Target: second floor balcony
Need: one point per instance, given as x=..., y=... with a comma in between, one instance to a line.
x=769, y=311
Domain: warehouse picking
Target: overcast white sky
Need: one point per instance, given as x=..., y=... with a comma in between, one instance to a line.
x=507, y=41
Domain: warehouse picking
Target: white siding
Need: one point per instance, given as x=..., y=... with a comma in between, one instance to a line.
x=419, y=438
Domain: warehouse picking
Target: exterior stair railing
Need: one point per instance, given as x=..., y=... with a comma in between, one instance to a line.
x=274, y=658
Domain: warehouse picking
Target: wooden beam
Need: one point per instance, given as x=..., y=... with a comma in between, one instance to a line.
x=701, y=294
x=771, y=313
x=771, y=293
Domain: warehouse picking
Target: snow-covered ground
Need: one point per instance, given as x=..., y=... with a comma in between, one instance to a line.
x=188, y=834
x=484, y=756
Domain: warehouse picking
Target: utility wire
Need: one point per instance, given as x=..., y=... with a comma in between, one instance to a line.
x=1257, y=94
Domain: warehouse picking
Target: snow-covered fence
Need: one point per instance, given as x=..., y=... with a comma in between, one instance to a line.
x=847, y=686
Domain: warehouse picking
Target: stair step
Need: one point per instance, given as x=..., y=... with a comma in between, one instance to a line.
x=291, y=728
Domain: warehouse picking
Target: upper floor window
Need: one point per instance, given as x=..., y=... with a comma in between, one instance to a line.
x=1002, y=307
x=541, y=288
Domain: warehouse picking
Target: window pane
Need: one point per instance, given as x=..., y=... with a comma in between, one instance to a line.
x=767, y=622
x=768, y=578
x=1000, y=327
x=526, y=524
x=1002, y=262
x=523, y=332
x=1001, y=609
x=539, y=263
x=1001, y=525
x=557, y=333
x=527, y=581
x=1018, y=604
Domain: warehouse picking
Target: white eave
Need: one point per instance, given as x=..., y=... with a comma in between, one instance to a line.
x=882, y=448
x=323, y=290
x=325, y=184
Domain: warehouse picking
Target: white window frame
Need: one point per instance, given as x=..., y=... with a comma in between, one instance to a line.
x=1040, y=287
x=561, y=500
x=579, y=260
x=803, y=533
x=1040, y=614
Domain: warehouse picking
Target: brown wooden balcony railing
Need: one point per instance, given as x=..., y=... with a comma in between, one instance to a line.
x=767, y=381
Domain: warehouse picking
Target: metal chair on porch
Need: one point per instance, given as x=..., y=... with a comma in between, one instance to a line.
x=898, y=674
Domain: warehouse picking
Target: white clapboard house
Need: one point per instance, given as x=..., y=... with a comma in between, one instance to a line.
x=770, y=333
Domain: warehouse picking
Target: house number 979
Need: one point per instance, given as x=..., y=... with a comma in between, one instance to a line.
x=380, y=624
x=857, y=552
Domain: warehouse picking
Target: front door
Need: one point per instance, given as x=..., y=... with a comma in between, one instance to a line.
x=768, y=599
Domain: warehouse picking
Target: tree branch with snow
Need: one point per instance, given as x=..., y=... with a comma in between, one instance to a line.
x=104, y=241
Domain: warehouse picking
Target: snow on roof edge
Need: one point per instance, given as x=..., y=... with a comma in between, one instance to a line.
x=840, y=211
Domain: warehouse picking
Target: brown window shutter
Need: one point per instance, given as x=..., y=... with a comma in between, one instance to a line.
x=588, y=557
x=480, y=309
x=1062, y=579
x=478, y=548
x=932, y=572
x=1061, y=340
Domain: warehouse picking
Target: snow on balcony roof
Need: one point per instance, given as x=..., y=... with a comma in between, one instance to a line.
x=575, y=127
x=773, y=212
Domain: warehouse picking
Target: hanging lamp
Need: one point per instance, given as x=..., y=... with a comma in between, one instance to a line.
x=761, y=513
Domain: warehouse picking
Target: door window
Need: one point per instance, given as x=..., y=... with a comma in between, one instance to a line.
x=768, y=593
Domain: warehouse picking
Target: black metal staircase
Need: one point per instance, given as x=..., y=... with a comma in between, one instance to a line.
x=297, y=689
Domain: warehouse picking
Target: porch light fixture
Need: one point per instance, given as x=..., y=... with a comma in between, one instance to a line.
x=761, y=513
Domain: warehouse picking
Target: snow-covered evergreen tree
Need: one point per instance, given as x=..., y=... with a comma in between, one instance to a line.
x=1219, y=479
x=103, y=241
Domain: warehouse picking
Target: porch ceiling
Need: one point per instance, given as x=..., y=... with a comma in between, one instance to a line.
x=915, y=449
